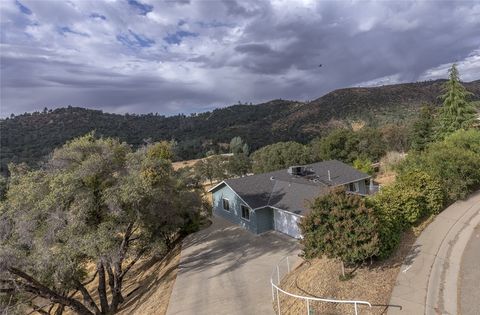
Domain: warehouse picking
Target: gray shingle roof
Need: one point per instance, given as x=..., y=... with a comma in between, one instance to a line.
x=288, y=192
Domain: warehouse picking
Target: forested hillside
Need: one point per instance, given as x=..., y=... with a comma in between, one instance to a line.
x=30, y=137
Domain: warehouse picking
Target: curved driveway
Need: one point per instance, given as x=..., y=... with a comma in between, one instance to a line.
x=226, y=270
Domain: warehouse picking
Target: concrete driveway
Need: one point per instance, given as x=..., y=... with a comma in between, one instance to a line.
x=226, y=270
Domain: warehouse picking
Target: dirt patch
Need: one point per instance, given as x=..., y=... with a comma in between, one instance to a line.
x=373, y=282
x=182, y=164
x=149, y=287
x=146, y=288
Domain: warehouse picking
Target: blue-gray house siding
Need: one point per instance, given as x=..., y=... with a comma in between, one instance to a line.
x=260, y=220
x=361, y=185
x=281, y=198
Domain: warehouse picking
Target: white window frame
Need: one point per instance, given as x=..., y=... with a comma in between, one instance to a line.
x=223, y=204
x=241, y=212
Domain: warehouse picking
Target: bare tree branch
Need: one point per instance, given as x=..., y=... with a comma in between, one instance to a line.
x=35, y=287
x=87, y=298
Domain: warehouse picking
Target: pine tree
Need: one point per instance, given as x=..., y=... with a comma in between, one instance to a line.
x=457, y=112
x=422, y=133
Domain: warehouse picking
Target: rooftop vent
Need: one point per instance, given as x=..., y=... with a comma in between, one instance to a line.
x=296, y=170
x=272, y=178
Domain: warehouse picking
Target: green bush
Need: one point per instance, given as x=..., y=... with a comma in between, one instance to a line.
x=454, y=162
x=363, y=165
x=340, y=226
x=413, y=196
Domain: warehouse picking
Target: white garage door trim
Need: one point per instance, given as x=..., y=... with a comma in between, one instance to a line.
x=286, y=222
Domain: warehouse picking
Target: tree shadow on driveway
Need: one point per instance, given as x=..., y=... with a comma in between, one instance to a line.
x=230, y=246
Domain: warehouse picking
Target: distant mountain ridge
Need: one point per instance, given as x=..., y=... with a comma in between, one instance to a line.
x=29, y=137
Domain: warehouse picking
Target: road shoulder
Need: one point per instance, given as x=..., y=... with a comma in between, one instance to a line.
x=427, y=281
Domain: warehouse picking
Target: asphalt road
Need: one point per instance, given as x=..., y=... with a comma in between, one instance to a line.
x=469, y=281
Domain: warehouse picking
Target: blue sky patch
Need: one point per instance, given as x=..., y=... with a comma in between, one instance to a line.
x=95, y=15
x=142, y=8
x=23, y=8
x=178, y=36
x=65, y=30
x=134, y=40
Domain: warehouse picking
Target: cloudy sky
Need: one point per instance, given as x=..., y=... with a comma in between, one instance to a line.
x=194, y=55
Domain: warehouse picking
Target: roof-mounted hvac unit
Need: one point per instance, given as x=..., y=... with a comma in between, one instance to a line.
x=297, y=170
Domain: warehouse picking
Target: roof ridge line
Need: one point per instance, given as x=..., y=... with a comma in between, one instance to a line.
x=271, y=193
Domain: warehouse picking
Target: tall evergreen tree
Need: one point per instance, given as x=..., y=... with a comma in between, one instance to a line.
x=457, y=112
x=422, y=131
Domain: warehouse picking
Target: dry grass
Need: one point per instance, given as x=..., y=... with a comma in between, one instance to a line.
x=149, y=287
x=182, y=164
x=146, y=288
x=386, y=178
x=320, y=278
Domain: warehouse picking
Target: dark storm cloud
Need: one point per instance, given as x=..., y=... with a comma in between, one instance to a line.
x=170, y=57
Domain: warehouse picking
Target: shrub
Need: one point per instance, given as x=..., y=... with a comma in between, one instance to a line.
x=363, y=165
x=340, y=226
x=413, y=196
x=390, y=161
x=454, y=162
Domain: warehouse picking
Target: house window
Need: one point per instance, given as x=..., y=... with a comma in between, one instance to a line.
x=245, y=212
x=226, y=204
x=353, y=187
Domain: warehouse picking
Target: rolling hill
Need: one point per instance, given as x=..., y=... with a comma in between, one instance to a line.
x=31, y=136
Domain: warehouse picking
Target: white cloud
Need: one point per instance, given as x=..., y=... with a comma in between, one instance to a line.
x=106, y=54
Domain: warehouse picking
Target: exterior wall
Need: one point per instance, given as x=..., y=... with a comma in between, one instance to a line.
x=287, y=223
x=362, y=187
x=235, y=213
x=264, y=219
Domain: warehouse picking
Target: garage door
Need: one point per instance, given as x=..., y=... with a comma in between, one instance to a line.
x=287, y=223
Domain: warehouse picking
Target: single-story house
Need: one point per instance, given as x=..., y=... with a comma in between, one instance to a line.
x=277, y=200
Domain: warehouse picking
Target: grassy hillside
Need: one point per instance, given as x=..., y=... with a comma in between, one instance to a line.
x=29, y=137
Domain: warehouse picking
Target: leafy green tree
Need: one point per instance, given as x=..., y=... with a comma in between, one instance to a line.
x=340, y=226
x=246, y=149
x=238, y=165
x=457, y=112
x=205, y=169
x=340, y=144
x=212, y=168
x=371, y=144
x=396, y=137
x=423, y=128
x=95, y=202
x=236, y=145
x=364, y=165
x=280, y=155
